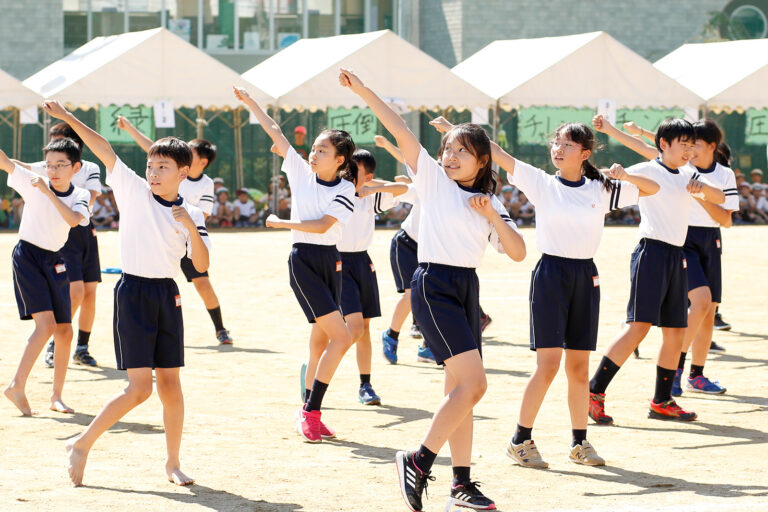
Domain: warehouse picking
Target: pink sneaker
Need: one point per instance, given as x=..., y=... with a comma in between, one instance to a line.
x=325, y=431
x=309, y=425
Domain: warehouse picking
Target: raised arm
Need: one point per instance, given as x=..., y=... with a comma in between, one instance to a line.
x=636, y=130
x=266, y=122
x=647, y=187
x=600, y=124
x=97, y=144
x=498, y=155
x=393, y=150
x=320, y=225
x=142, y=140
x=396, y=189
x=6, y=163
x=406, y=140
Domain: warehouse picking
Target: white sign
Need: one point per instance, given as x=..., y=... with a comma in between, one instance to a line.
x=164, y=115
x=28, y=115
x=607, y=109
x=479, y=115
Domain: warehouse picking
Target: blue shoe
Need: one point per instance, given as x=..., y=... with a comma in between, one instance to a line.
x=302, y=379
x=424, y=355
x=389, y=346
x=367, y=395
x=701, y=384
x=676, y=389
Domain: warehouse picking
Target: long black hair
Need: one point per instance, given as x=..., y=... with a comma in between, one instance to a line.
x=583, y=136
x=476, y=140
x=723, y=154
x=344, y=146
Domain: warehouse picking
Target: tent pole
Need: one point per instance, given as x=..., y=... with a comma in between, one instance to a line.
x=46, y=126
x=496, y=122
x=16, y=128
x=200, y=121
x=275, y=167
x=238, y=147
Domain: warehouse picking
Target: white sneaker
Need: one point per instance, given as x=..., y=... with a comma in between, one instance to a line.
x=585, y=454
x=526, y=454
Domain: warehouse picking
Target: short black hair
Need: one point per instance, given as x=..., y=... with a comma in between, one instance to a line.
x=673, y=129
x=708, y=131
x=204, y=149
x=66, y=131
x=65, y=145
x=363, y=156
x=175, y=149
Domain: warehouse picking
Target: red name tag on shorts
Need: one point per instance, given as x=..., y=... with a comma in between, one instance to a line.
x=595, y=281
x=60, y=268
x=685, y=263
x=338, y=266
x=717, y=243
x=373, y=269
x=178, y=301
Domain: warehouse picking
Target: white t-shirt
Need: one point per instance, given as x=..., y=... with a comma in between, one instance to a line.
x=247, y=208
x=198, y=192
x=664, y=215
x=217, y=206
x=450, y=231
x=152, y=242
x=314, y=198
x=42, y=224
x=570, y=215
x=411, y=223
x=357, y=233
x=720, y=177
x=762, y=203
x=104, y=210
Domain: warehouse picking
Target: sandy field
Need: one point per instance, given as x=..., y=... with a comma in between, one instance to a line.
x=240, y=444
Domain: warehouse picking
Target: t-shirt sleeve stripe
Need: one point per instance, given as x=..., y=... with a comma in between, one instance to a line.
x=343, y=203
x=345, y=200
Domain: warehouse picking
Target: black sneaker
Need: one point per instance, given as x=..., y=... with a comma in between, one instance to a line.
x=720, y=324
x=223, y=337
x=81, y=356
x=468, y=495
x=48, y=359
x=412, y=480
x=715, y=348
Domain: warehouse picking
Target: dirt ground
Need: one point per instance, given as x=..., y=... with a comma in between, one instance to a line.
x=239, y=441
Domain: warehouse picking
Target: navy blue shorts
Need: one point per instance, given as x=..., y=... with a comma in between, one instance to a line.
x=659, y=292
x=703, y=249
x=359, y=287
x=565, y=303
x=40, y=282
x=147, y=323
x=81, y=254
x=403, y=255
x=315, y=275
x=446, y=303
x=190, y=272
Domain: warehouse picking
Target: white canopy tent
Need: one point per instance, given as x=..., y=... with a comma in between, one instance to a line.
x=14, y=97
x=305, y=75
x=140, y=68
x=729, y=76
x=571, y=71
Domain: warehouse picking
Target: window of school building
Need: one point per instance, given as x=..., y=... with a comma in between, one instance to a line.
x=222, y=27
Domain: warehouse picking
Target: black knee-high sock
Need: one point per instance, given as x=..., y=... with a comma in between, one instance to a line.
x=579, y=435
x=522, y=434
x=82, y=338
x=603, y=375
x=681, y=363
x=696, y=371
x=460, y=475
x=365, y=378
x=218, y=323
x=664, y=379
x=307, y=392
x=423, y=458
x=316, y=396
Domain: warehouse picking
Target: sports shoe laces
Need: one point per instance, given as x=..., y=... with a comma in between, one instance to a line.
x=422, y=479
x=472, y=487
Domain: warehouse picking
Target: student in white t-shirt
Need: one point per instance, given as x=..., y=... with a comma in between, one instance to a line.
x=52, y=207
x=198, y=191
x=659, y=290
x=565, y=288
x=103, y=212
x=157, y=228
x=245, y=209
x=459, y=217
x=323, y=202
x=223, y=214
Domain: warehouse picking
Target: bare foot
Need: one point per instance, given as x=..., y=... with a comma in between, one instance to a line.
x=19, y=399
x=59, y=406
x=77, y=460
x=175, y=476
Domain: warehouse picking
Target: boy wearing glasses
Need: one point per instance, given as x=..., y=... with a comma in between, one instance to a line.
x=52, y=207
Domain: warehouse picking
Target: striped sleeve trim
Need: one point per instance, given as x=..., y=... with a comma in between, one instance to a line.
x=345, y=201
x=210, y=199
x=506, y=218
x=731, y=194
x=615, y=195
x=377, y=203
x=202, y=231
x=345, y=205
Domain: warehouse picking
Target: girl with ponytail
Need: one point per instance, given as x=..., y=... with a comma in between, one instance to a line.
x=323, y=201
x=565, y=288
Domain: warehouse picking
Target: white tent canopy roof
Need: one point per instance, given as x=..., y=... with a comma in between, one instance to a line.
x=729, y=76
x=13, y=93
x=571, y=71
x=305, y=75
x=140, y=68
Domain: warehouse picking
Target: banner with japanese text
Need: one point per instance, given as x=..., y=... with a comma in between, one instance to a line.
x=360, y=123
x=141, y=117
